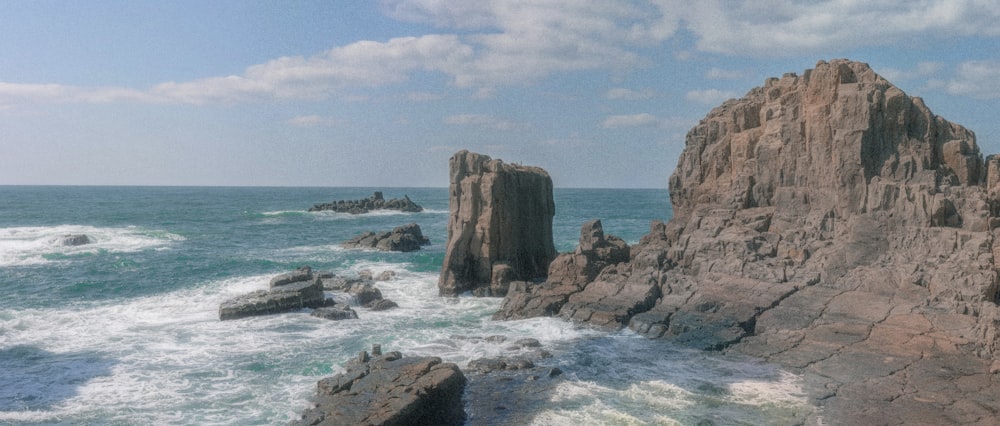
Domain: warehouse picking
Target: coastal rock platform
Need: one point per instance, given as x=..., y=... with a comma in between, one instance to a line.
x=832, y=224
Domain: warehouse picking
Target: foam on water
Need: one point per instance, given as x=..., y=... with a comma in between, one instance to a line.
x=23, y=246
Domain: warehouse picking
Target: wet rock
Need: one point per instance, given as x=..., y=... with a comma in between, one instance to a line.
x=390, y=390
x=75, y=240
x=381, y=305
x=404, y=238
x=336, y=312
x=285, y=297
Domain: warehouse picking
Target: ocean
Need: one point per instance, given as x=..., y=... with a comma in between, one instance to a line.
x=126, y=331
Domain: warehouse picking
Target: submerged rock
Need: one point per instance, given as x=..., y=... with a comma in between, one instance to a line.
x=336, y=312
x=404, y=238
x=390, y=390
x=366, y=205
x=498, y=214
x=74, y=240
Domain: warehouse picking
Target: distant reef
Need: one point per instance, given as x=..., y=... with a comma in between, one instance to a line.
x=827, y=222
x=367, y=205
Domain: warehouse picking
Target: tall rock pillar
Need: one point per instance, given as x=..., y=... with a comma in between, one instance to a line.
x=499, y=225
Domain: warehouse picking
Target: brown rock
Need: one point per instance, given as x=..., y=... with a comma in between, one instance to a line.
x=499, y=214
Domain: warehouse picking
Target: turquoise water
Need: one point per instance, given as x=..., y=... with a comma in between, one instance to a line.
x=125, y=330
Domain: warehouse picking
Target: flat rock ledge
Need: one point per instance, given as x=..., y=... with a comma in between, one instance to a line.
x=367, y=205
x=305, y=289
x=389, y=389
x=404, y=238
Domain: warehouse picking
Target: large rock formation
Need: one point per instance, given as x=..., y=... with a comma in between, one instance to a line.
x=500, y=225
x=390, y=390
x=833, y=224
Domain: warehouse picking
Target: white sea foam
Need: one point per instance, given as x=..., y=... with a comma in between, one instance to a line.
x=20, y=246
x=167, y=359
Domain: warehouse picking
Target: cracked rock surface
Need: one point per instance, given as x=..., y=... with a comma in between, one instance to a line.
x=827, y=222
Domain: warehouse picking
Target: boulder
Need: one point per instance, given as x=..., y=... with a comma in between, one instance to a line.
x=381, y=305
x=287, y=297
x=366, y=205
x=498, y=214
x=404, y=238
x=390, y=390
x=336, y=312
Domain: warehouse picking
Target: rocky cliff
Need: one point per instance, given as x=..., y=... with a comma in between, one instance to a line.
x=833, y=224
x=499, y=227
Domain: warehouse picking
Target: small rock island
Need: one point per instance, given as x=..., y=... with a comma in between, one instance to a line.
x=367, y=205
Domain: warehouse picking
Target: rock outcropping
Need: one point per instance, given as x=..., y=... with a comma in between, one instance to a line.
x=500, y=225
x=366, y=205
x=404, y=238
x=833, y=224
x=390, y=389
x=288, y=292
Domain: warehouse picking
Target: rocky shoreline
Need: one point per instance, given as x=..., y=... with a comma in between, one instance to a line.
x=828, y=223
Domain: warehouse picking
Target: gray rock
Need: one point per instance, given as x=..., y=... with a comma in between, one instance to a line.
x=381, y=305
x=75, y=240
x=284, y=298
x=366, y=205
x=404, y=238
x=336, y=312
x=390, y=390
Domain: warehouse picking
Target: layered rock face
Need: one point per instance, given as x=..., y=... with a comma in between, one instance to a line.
x=833, y=224
x=500, y=225
x=404, y=238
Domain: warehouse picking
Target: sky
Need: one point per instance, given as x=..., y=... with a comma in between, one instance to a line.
x=381, y=93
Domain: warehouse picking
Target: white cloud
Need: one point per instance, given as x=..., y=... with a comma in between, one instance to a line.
x=632, y=120
x=709, y=96
x=314, y=121
x=483, y=121
x=787, y=27
x=621, y=93
x=978, y=79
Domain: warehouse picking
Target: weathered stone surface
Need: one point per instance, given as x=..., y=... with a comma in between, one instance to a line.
x=366, y=205
x=390, y=390
x=381, y=305
x=833, y=224
x=404, y=238
x=499, y=214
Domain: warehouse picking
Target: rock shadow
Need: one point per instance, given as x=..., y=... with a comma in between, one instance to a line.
x=35, y=379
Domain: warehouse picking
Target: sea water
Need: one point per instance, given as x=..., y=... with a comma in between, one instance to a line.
x=125, y=330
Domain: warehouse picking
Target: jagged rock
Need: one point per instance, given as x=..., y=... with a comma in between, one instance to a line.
x=404, y=238
x=499, y=214
x=833, y=224
x=75, y=240
x=366, y=205
x=568, y=279
x=336, y=312
x=390, y=390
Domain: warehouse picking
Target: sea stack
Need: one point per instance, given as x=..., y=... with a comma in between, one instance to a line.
x=499, y=225
x=830, y=223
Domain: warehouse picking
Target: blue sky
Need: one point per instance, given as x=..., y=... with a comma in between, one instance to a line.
x=381, y=93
